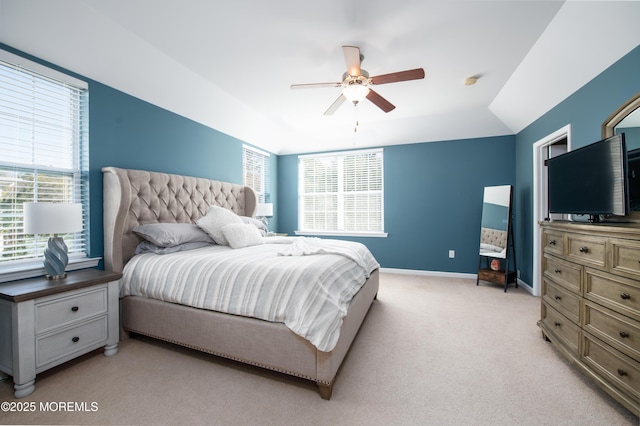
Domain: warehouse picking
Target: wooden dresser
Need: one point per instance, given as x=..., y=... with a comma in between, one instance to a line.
x=591, y=302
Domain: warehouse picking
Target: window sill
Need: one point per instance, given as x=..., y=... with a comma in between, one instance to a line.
x=375, y=234
x=35, y=269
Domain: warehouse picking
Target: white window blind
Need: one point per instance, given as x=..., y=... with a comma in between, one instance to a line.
x=255, y=166
x=43, y=153
x=342, y=192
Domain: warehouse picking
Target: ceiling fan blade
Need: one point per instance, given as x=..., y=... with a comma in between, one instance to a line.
x=352, y=58
x=335, y=105
x=379, y=101
x=395, y=77
x=314, y=85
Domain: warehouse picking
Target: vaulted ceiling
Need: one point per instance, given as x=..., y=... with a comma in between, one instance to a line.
x=229, y=64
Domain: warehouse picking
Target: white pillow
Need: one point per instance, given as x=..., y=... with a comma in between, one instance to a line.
x=242, y=235
x=213, y=222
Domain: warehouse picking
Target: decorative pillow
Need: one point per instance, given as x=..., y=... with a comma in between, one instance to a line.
x=172, y=234
x=213, y=222
x=242, y=235
x=257, y=223
x=149, y=247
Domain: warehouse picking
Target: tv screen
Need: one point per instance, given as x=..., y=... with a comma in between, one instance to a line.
x=633, y=158
x=591, y=180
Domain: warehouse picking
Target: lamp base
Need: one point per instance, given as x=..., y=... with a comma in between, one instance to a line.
x=56, y=277
x=55, y=258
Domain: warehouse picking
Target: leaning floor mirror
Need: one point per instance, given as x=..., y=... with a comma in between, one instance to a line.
x=496, y=237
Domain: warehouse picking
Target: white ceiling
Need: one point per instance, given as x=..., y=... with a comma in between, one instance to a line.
x=229, y=64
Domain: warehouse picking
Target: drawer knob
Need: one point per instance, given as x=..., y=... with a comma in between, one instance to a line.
x=624, y=334
x=558, y=298
x=584, y=249
x=74, y=309
x=75, y=339
x=552, y=242
x=624, y=296
x=622, y=372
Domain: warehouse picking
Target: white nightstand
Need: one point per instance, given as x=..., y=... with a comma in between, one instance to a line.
x=44, y=323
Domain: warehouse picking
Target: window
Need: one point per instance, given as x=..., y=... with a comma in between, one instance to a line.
x=255, y=166
x=44, y=146
x=342, y=193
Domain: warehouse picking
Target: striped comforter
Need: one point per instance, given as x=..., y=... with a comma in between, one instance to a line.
x=308, y=285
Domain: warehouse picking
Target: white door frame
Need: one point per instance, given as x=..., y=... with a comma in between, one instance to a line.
x=540, y=199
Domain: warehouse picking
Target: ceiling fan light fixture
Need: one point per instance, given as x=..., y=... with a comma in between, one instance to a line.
x=355, y=92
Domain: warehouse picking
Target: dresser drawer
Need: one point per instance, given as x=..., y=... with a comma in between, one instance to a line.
x=553, y=242
x=566, y=302
x=613, y=366
x=58, y=311
x=614, y=292
x=567, y=332
x=617, y=330
x=590, y=251
x=568, y=275
x=70, y=342
x=626, y=257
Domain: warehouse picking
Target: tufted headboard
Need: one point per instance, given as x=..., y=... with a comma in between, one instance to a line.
x=494, y=237
x=134, y=197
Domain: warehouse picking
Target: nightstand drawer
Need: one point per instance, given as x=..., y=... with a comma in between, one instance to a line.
x=586, y=250
x=617, y=330
x=71, y=341
x=614, y=366
x=59, y=311
x=568, y=275
x=567, y=332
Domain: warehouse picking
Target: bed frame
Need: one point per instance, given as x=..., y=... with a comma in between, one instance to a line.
x=133, y=197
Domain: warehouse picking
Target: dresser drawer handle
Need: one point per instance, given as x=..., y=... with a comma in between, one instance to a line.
x=557, y=324
x=624, y=334
x=584, y=249
x=558, y=298
x=557, y=271
x=552, y=242
x=74, y=309
x=622, y=372
x=624, y=296
x=75, y=339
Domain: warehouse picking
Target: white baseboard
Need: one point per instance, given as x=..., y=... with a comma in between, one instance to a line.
x=521, y=283
x=428, y=273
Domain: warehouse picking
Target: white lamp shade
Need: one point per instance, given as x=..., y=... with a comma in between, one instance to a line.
x=264, y=210
x=52, y=218
x=355, y=92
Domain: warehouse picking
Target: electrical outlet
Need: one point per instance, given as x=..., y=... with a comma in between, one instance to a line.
x=518, y=273
x=452, y=254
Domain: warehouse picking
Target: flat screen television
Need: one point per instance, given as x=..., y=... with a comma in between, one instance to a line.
x=633, y=158
x=591, y=180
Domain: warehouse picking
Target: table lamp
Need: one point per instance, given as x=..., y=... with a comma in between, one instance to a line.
x=53, y=218
x=263, y=211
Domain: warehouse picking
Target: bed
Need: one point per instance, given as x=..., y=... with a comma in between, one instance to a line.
x=137, y=197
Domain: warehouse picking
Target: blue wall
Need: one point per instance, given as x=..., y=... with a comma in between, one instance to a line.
x=585, y=110
x=433, y=201
x=127, y=132
x=433, y=191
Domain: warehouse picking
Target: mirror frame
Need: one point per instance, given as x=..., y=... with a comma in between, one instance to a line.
x=608, y=127
x=509, y=207
x=608, y=130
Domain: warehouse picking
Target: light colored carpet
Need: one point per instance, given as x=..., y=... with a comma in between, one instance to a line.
x=432, y=350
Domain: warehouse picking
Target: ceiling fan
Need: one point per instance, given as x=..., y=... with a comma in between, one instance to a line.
x=356, y=83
